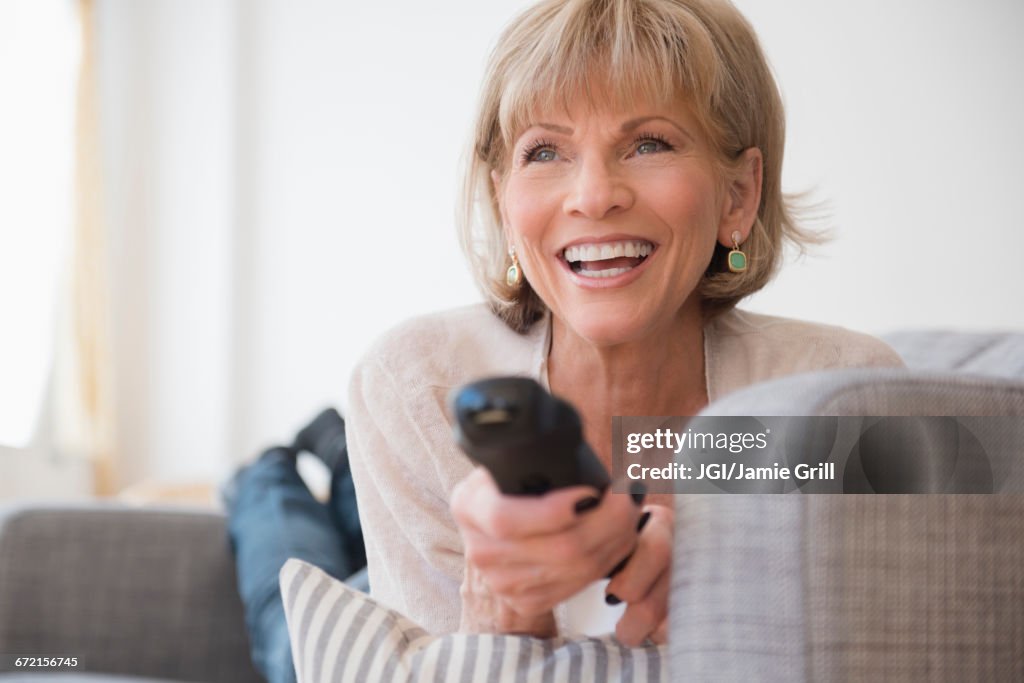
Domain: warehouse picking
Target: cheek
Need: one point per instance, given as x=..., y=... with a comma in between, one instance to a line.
x=689, y=207
x=529, y=210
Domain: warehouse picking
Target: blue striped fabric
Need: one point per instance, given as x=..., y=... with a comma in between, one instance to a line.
x=341, y=635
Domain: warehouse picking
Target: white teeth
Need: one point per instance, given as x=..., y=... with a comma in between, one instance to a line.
x=607, y=250
x=611, y=272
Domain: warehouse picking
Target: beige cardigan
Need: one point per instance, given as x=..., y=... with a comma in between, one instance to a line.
x=405, y=462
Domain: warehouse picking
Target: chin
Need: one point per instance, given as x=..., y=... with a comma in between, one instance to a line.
x=609, y=329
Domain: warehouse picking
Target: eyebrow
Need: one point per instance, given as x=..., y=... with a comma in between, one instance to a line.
x=633, y=124
x=626, y=127
x=564, y=130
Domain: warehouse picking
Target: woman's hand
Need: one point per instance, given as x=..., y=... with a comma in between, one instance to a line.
x=524, y=555
x=484, y=612
x=645, y=581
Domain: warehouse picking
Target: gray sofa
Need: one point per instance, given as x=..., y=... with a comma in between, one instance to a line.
x=140, y=593
x=764, y=587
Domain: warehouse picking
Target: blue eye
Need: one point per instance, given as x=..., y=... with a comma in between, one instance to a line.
x=541, y=150
x=650, y=144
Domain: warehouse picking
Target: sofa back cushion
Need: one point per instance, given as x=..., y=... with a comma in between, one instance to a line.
x=995, y=354
x=146, y=593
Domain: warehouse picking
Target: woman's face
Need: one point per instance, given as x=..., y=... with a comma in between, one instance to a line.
x=614, y=216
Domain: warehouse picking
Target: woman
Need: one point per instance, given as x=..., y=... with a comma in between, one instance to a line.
x=623, y=194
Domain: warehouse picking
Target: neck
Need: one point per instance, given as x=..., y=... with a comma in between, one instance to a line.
x=661, y=373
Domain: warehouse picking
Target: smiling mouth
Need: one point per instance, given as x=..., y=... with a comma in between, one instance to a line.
x=607, y=259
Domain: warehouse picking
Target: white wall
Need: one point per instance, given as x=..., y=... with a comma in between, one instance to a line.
x=284, y=175
x=168, y=108
x=905, y=116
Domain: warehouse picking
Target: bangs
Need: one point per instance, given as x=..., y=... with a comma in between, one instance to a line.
x=606, y=54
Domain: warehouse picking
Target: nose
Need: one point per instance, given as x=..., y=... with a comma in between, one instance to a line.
x=597, y=191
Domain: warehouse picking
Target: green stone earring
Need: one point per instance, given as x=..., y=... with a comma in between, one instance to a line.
x=514, y=274
x=737, y=259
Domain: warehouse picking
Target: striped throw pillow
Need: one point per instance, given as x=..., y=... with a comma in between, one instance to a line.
x=341, y=635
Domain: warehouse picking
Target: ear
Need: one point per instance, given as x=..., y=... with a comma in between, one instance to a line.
x=742, y=198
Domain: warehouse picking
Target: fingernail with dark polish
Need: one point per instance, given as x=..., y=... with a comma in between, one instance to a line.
x=619, y=567
x=643, y=521
x=612, y=599
x=637, y=492
x=588, y=503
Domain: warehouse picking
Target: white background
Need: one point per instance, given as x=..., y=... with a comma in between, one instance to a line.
x=282, y=180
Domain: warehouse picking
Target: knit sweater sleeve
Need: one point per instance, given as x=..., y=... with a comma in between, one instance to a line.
x=413, y=548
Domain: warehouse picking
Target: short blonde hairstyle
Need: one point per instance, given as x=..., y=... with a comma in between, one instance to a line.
x=704, y=51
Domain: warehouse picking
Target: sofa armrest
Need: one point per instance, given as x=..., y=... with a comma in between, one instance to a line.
x=854, y=587
x=130, y=591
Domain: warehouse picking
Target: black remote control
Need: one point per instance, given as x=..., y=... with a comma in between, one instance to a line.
x=530, y=441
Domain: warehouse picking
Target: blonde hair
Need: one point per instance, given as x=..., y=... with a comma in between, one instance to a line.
x=659, y=50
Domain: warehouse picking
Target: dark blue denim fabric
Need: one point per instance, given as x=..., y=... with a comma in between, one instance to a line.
x=273, y=517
